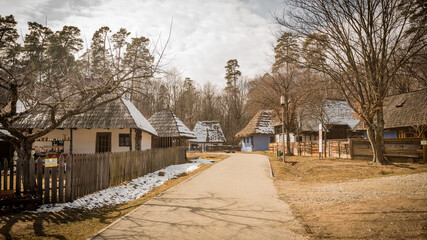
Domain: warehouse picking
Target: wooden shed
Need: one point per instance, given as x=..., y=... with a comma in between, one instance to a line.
x=170, y=130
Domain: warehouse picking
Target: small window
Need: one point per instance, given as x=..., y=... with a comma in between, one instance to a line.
x=124, y=140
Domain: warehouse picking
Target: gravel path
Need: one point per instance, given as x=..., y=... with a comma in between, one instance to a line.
x=233, y=199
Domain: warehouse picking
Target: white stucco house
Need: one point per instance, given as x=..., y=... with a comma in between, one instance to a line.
x=114, y=127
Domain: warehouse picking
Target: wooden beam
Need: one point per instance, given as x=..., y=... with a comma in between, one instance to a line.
x=71, y=141
x=130, y=139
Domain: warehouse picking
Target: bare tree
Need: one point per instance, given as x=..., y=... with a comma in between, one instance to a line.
x=367, y=44
x=43, y=77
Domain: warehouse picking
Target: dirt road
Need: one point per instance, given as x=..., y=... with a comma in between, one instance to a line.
x=234, y=199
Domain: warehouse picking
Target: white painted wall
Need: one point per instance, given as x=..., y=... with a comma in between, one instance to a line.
x=146, y=141
x=278, y=137
x=84, y=140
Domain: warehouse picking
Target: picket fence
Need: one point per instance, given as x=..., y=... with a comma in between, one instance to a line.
x=81, y=174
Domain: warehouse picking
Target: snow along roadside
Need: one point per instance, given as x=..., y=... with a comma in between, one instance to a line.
x=127, y=192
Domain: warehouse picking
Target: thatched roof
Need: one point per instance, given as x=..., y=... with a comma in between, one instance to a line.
x=404, y=110
x=167, y=124
x=120, y=113
x=261, y=124
x=208, y=132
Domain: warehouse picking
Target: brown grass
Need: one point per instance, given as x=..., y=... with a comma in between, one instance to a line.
x=367, y=216
x=313, y=169
x=81, y=224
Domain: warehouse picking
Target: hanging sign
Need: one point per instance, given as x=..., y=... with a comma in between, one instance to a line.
x=423, y=142
x=50, y=162
x=320, y=138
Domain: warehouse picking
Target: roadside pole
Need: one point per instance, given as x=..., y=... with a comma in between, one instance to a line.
x=282, y=102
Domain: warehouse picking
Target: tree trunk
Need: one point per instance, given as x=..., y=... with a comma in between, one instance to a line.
x=371, y=137
x=288, y=143
x=379, y=139
x=376, y=139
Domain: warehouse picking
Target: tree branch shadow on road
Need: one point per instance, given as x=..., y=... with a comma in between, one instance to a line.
x=196, y=218
x=36, y=221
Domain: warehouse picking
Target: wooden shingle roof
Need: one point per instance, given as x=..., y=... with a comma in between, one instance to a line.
x=260, y=124
x=167, y=124
x=120, y=113
x=208, y=132
x=404, y=110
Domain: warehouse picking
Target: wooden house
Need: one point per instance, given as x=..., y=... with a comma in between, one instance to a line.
x=171, y=131
x=405, y=116
x=117, y=126
x=258, y=133
x=338, y=118
x=208, y=135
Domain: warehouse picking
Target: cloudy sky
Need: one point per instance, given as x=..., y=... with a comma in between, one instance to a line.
x=205, y=33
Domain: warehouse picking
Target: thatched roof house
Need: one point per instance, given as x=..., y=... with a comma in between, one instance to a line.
x=258, y=133
x=208, y=132
x=170, y=130
x=112, y=127
x=260, y=124
x=404, y=114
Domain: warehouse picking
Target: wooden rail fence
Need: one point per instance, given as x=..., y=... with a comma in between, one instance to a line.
x=396, y=149
x=82, y=174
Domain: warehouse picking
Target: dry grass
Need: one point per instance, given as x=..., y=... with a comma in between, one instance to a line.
x=313, y=169
x=332, y=201
x=80, y=224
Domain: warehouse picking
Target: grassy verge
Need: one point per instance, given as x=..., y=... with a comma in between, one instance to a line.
x=313, y=169
x=81, y=224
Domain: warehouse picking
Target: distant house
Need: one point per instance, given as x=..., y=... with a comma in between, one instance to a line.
x=258, y=133
x=170, y=130
x=208, y=133
x=338, y=118
x=405, y=116
x=113, y=127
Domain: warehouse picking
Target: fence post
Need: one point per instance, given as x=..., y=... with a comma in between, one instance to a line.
x=5, y=175
x=39, y=163
x=351, y=148
x=54, y=184
x=68, y=184
x=18, y=176
x=61, y=179
x=46, y=185
x=11, y=176
x=31, y=174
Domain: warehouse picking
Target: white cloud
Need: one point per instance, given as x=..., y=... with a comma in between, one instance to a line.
x=205, y=33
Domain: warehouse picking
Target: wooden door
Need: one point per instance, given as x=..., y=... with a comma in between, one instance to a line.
x=103, y=142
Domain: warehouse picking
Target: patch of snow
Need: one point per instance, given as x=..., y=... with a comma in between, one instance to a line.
x=139, y=119
x=202, y=161
x=5, y=132
x=184, y=130
x=264, y=125
x=127, y=192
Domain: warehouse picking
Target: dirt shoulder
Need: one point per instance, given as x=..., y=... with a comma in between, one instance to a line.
x=81, y=224
x=350, y=199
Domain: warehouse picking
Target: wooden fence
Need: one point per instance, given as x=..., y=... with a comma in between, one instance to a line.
x=400, y=148
x=396, y=149
x=79, y=175
x=331, y=148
